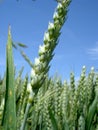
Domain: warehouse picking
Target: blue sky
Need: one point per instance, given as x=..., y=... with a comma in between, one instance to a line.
x=78, y=43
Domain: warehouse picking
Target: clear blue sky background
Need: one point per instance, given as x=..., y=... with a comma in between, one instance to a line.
x=78, y=43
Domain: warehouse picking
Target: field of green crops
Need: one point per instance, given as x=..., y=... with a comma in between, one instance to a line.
x=45, y=103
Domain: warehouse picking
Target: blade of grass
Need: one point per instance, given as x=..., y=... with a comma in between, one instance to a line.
x=91, y=113
x=22, y=45
x=22, y=53
x=26, y=59
x=9, y=115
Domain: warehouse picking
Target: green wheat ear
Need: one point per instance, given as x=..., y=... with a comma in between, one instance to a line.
x=9, y=115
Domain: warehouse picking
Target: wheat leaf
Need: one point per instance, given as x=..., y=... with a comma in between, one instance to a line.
x=9, y=115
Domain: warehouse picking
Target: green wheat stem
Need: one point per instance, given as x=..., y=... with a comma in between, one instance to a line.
x=25, y=117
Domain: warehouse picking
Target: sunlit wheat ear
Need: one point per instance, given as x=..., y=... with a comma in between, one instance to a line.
x=41, y=64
